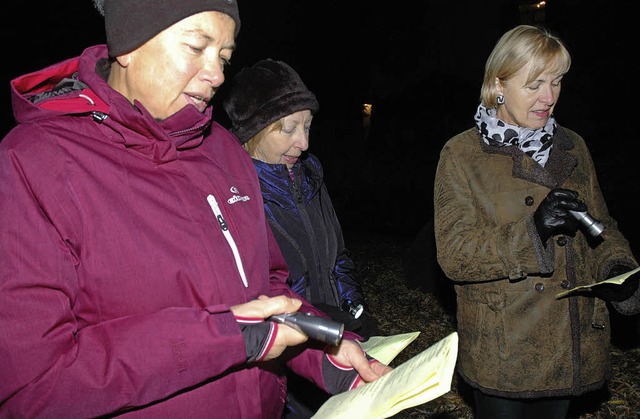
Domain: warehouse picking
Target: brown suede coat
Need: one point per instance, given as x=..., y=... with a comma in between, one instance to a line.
x=516, y=338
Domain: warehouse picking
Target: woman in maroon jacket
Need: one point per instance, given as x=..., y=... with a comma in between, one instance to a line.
x=137, y=267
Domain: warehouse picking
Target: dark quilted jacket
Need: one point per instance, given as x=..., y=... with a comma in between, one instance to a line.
x=304, y=222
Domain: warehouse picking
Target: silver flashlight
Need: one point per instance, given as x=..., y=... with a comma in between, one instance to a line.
x=593, y=226
x=319, y=328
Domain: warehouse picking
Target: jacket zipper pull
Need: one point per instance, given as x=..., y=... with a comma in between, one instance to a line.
x=227, y=235
x=296, y=192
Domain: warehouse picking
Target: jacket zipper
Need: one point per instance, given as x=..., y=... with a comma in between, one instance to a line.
x=227, y=235
x=299, y=199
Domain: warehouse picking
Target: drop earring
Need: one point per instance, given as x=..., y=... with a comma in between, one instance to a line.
x=500, y=100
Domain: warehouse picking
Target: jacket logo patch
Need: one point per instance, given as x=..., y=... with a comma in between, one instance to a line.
x=236, y=197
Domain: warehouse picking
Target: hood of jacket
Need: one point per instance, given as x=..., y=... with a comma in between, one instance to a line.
x=78, y=86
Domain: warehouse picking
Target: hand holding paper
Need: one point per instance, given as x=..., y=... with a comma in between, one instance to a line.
x=617, y=280
x=421, y=379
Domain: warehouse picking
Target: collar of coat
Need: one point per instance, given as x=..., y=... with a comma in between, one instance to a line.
x=558, y=167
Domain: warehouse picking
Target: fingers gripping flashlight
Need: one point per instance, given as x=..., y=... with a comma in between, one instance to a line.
x=319, y=328
x=593, y=226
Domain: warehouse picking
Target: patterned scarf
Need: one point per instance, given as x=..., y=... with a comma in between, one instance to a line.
x=535, y=143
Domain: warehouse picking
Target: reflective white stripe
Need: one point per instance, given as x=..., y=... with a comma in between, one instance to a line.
x=227, y=234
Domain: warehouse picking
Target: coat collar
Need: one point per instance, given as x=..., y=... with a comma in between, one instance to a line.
x=91, y=96
x=558, y=168
x=277, y=187
x=136, y=127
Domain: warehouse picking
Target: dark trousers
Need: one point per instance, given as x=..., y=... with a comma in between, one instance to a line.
x=491, y=407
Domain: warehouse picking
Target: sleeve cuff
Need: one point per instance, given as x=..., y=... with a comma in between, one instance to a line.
x=259, y=338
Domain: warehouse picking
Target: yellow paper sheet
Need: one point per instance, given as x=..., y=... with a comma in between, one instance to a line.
x=385, y=348
x=615, y=280
x=419, y=380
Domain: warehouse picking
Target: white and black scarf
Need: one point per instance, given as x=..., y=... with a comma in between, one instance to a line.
x=535, y=143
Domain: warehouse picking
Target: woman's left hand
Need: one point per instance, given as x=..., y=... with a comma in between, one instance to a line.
x=349, y=353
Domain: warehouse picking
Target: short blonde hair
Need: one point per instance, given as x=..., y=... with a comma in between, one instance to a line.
x=254, y=141
x=518, y=47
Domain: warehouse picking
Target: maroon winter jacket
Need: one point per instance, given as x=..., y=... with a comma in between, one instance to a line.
x=115, y=276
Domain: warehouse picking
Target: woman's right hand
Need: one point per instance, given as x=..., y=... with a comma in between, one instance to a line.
x=264, y=307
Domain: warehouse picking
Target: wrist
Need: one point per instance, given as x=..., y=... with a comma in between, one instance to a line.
x=258, y=339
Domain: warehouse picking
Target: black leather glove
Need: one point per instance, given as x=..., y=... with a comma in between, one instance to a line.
x=615, y=292
x=552, y=215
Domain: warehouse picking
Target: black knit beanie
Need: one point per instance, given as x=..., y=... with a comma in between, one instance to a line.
x=262, y=94
x=131, y=23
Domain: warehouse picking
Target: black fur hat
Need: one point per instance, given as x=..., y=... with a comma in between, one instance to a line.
x=262, y=94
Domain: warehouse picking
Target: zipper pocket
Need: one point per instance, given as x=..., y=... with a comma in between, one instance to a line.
x=227, y=235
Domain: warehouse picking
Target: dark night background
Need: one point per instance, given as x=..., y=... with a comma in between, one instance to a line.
x=419, y=62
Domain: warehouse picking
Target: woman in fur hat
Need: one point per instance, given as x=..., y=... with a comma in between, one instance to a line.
x=271, y=111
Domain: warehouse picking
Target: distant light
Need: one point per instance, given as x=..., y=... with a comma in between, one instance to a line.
x=533, y=7
x=366, y=109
